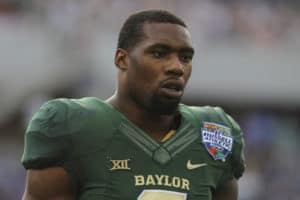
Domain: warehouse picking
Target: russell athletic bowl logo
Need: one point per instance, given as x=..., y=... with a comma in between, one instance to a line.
x=217, y=139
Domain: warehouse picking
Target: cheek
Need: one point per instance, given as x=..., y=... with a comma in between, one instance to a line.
x=141, y=77
x=147, y=71
x=187, y=73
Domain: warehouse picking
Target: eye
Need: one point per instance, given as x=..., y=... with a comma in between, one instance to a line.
x=186, y=58
x=158, y=53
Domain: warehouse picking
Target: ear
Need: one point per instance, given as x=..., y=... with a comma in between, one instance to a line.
x=121, y=59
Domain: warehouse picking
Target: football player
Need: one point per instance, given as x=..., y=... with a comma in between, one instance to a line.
x=142, y=143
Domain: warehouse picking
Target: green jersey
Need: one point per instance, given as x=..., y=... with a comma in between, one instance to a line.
x=110, y=158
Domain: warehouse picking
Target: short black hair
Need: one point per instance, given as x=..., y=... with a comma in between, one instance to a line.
x=131, y=32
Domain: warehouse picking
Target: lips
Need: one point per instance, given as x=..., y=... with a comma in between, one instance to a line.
x=172, y=88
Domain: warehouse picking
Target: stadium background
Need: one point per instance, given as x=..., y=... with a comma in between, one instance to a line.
x=247, y=61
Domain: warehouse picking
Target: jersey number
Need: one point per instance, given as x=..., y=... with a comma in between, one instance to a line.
x=161, y=195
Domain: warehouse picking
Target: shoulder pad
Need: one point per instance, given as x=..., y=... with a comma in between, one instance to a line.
x=50, y=119
x=218, y=116
x=47, y=141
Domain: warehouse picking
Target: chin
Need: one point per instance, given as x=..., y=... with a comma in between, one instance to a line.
x=165, y=106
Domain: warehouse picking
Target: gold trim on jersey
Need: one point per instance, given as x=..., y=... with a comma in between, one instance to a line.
x=161, y=152
x=168, y=135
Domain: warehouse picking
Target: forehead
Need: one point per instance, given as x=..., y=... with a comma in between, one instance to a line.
x=174, y=35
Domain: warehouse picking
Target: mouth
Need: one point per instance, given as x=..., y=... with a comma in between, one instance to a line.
x=172, y=89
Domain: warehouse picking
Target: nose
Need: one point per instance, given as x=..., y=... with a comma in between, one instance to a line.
x=175, y=67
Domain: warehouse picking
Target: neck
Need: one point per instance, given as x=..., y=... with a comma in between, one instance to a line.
x=156, y=125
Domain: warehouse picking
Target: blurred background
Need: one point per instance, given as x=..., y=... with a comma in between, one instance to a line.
x=247, y=61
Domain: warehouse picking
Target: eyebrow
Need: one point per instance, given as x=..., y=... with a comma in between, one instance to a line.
x=168, y=47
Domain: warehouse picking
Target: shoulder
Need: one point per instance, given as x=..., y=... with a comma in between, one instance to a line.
x=216, y=115
x=210, y=114
x=47, y=136
x=64, y=116
x=56, y=129
x=58, y=116
x=216, y=120
x=50, y=118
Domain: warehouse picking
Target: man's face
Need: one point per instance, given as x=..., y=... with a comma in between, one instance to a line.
x=159, y=67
